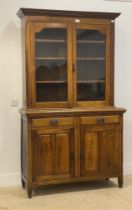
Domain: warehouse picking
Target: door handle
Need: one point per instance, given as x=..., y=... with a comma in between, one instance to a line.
x=54, y=122
x=100, y=120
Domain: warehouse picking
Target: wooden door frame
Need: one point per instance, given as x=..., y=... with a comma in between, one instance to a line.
x=38, y=26
x=109, y=69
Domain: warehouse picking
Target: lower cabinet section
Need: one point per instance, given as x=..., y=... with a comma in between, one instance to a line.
x=60, y=149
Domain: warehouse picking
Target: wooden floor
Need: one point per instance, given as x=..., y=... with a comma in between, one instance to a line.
x=99, y=195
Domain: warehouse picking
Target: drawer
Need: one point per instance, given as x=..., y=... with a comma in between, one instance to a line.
x=55, y=121
x=99, y=120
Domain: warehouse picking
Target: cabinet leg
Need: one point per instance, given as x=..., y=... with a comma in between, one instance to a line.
x=120, y=181
x=23, y=184
x=29, y=192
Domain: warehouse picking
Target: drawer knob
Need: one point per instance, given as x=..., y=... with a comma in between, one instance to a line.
x=100, y=120
x=53, y=122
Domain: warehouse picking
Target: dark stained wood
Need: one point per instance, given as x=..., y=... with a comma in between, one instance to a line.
x=33, y=96
x=61, y=121
x=107, y=144
x=29, y=161
x=62, y=13
x=77, y=145
x=55, y=149
x=24, y=143
x=72, y=111
x=68, y=141
x=112, y=55
x=99, y=120
x=62, y=153
x=45, y=149
x=108, y=62
x=30, y=27
x=120, y=181
x=99, y=149
x=89, y=152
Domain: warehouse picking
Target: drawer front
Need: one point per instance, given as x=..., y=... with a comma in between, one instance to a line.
x=99, y=120
x=56, y=121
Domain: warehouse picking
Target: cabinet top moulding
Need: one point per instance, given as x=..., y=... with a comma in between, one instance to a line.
x=75, y=111
x=63, y=13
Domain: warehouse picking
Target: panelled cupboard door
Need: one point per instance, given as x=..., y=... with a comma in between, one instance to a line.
x=51, y=64
x=99, y=149
x=53, y=154
x=91, y=61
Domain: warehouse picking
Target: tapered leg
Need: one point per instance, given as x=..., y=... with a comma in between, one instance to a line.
x=120, y=181
x=23, y=184
x=29, y=192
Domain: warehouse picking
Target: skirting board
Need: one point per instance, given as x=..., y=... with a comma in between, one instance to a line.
x=7, y=180
x=127, y=169
x=14, y=179
x=120, y=0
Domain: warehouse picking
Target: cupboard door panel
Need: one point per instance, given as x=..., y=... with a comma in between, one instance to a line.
x=62, y=153
x=99, y=149
x=107, y=150
x=91, y=151
x=53, y=154
x=44, y=156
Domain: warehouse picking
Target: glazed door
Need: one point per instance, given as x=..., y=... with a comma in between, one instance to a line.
x=53, y=154
x=91, y=64
x=99, y=149
x=51, y=65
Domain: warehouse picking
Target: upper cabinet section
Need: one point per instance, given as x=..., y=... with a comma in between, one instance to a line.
x=68, y=58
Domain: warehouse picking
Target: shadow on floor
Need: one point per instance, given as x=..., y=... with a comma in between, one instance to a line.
x=74, y=187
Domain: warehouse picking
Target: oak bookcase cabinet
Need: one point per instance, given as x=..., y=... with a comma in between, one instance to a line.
x=70, y=129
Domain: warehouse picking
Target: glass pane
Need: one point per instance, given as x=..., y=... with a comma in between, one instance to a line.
x=51, y=65
x=50, y=70
x=51, y=92
x=91, y=65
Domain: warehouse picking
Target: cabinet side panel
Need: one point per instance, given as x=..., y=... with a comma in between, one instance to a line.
x=23, y=61
x=24, y=143
x=26, y=74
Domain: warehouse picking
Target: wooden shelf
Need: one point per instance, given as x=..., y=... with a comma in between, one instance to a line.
x=92, y=59
x=53, y=82
x=51, y=58
x=90, y=81
x=64, y=41
x=64, y=58
x=91, y=42
x=63, y=81
x=51, y=40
